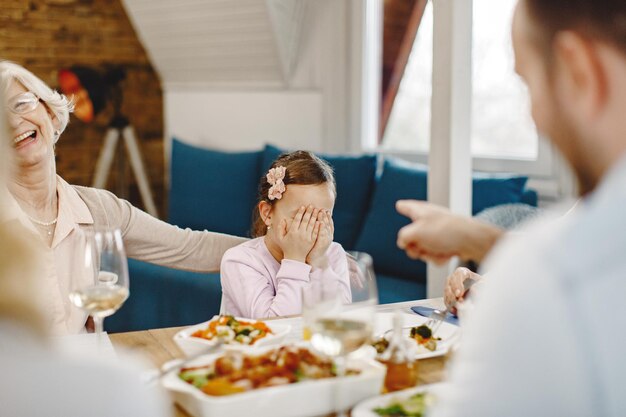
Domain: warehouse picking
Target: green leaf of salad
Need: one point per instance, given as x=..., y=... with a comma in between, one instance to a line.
x=414, y=406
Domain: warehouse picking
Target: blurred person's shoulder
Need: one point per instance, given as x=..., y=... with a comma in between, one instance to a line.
x=41, y=381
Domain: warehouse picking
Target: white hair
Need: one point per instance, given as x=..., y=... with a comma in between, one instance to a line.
x=58, y=103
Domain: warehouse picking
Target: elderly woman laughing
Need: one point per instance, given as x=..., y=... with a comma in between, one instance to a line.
x=54, y=210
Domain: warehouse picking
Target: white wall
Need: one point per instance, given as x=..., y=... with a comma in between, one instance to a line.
x=240, y=120
x=314, y=108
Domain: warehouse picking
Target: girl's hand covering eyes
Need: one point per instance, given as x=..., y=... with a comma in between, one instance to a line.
x=317, y=255
x=297, y=238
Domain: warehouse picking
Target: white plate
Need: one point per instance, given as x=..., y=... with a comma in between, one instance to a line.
x=366, y=408
x=192, y=345
x=302, y=399
x=448, y=333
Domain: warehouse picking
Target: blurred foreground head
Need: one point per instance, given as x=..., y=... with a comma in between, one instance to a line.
x=572, y=56
x=19, y=260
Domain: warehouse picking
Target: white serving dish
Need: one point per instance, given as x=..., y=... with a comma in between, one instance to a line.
x=366, y=407
x=301, y=399
x=194, y=345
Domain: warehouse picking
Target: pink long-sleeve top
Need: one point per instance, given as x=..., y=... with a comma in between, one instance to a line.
x=256, y=285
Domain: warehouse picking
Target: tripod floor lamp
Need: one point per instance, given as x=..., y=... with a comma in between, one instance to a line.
x=91, y=90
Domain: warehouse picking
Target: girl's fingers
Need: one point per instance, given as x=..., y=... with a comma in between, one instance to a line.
x=330, y=224
x=316, y=230
x=298, y=218
x=323, y=218
x=313, y=219
x=306, y=217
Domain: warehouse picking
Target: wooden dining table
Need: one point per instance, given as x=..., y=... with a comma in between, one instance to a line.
x=158, y=347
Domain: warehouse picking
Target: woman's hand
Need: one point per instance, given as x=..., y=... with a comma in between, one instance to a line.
x=317, y=256
x=297, y=239
x=455, y=289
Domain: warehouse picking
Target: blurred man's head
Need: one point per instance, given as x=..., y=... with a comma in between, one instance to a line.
x=572, y=56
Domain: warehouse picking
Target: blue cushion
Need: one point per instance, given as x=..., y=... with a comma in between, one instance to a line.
x=355, y=179
x=399, y=180
x=163, y=297
x=213, y=190
x=530, y=197
x=403, y=180
x=489, y=190
x=393, y=289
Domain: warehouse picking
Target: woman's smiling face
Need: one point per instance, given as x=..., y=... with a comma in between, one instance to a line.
x=32, y=131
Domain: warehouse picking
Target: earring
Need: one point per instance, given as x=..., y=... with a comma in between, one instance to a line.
x=269, y=227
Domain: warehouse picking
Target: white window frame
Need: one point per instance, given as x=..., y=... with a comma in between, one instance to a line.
x=544, y=168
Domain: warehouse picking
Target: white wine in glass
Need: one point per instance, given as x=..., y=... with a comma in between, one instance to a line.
x=103, y=257
x=338, y=329
x=100, y=300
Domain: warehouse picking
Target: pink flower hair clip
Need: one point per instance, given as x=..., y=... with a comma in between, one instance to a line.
x=275, y=177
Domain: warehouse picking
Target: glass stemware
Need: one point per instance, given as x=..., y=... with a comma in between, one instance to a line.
x=102, y=260
x=338, y=329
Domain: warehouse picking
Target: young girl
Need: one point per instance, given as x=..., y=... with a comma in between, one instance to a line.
x=293, y=244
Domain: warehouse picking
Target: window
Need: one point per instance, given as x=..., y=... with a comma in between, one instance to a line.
x=502, y=127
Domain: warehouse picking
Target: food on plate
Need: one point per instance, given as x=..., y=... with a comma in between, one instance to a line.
x=423, y=335
x=413, y=406
x=235, y=372
x=381, y=344
x=229, y=329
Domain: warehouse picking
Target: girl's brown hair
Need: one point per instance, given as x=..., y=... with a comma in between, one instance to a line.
x=301, y=168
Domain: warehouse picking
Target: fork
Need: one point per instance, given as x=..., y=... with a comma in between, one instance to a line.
x=437, y=316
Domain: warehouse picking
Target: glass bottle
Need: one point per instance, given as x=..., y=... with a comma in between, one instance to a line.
x=401, y=367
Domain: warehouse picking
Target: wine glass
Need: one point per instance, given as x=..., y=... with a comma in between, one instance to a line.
x=338, y=328
x=101, y=286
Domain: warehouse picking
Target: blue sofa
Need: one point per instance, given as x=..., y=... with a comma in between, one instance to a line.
x=216, y=191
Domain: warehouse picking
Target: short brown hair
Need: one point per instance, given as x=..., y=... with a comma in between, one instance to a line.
x=603, y=20
x=301, y=168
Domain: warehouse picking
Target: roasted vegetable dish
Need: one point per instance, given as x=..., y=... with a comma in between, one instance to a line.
x=423, y=335
x=235, y=373
x=232, y=330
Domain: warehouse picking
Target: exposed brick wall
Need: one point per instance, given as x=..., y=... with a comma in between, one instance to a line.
x=46, y=35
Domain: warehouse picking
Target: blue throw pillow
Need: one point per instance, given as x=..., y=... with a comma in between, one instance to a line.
x=489, y=191
x=213, y=190
x=404, y=180
x=355, y=179
x=399, y=180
